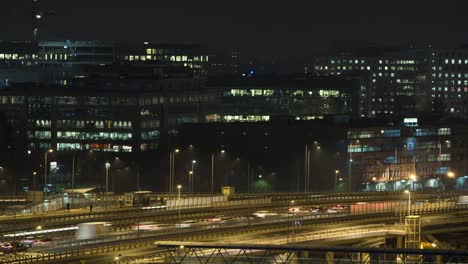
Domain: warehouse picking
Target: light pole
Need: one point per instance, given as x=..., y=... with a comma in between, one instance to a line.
x=212, y=171
x=171, y=168
x=291, y=224
x=34, y=179
x=409, y=201
x=190, y=179
x=450, y=175
x=350, y=167
x=336, y=180
x=73, y=174
x=107, y=165
x=45, y=168
x=178, y=191
x=192, y=174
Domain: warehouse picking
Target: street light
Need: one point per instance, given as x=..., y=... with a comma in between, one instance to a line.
x=45, y=168
x=190, y=181
x=171, y=168
x=290, y=204
x=192, y=172
x=451, y=174
x=409, y=201
x=336, y=180
x=212, y=171
x=34, y=179
x=178, y=190
x=107, y=165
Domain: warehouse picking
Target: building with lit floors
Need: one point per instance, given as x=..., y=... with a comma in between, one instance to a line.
x=261, y=98
x=449, y=81
x=62, y=62
x=413, y=154
x=393, y=78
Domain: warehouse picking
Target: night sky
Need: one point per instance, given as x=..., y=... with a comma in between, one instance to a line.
x=277, y=29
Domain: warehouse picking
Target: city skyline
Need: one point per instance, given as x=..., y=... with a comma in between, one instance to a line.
x=280, y=33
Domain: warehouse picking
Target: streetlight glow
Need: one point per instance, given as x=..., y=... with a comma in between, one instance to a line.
x=178, y=191
x=107, y=165
x=451, y=174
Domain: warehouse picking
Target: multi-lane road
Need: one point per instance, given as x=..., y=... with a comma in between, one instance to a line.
x=260, y=223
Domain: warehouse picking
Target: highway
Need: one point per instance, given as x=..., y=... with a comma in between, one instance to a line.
x=237, y=224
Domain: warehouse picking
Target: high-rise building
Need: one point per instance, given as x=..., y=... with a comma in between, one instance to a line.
x=396, y=79
x=449, y=81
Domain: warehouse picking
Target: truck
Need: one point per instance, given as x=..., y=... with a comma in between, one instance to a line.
x=92, y=230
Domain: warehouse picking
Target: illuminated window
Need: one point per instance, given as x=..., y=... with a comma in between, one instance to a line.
x=329, y=93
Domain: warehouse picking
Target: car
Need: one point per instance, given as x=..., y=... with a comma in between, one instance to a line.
x=263, y=214
x=186, y=224
x=36, y=241
x=297, y=210
x=315, y=210
x=148, y=226
x=339, y=207
x=13, y=247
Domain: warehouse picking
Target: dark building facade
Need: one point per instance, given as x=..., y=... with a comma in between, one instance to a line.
x=139, y=115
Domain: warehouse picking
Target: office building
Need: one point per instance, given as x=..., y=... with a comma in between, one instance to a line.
x=395, y=79
x=408, y=154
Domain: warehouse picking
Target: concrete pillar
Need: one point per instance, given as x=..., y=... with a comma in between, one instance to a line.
x=329, y=257
x=365, y=258
x=399, y=242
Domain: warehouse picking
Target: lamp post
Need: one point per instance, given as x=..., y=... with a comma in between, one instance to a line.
x=107, y=165
x=291, y=224
x=350, y=167
x=336, y=180
x=192, y=174
x=190, y=179
x=212, y=171
x=178, y=191
x=450, y=175
x=409, y=201
x=45, y=168
x=171, y=168
x=73, y=174
x=34, y=179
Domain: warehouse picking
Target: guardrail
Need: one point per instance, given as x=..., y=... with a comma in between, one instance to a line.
x=137, y=241
x=122, y=217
